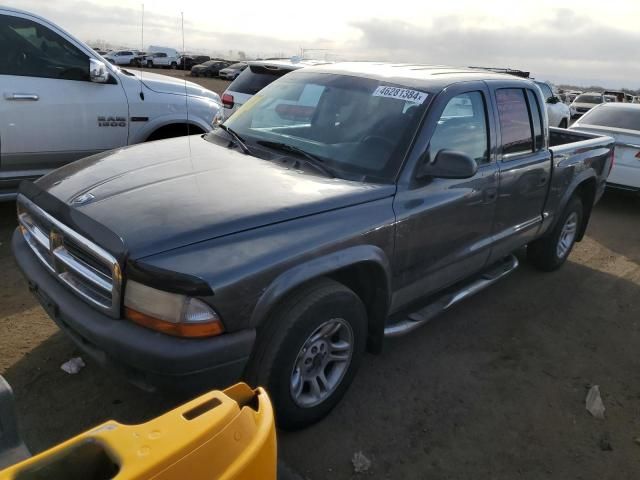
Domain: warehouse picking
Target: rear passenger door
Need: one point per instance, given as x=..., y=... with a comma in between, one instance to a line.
x=525, y=167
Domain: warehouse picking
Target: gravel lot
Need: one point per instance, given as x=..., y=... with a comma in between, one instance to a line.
x=493, y=389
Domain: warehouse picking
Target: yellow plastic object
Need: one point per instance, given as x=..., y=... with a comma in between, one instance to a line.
x=219, y=435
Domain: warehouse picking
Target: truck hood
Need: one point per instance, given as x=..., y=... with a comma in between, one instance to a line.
x=172, y=193
x=175, y=86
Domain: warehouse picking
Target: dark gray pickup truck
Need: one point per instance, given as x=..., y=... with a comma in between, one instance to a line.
x=342, y=204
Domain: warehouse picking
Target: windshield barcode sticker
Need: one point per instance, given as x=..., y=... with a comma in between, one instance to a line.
x=400, y=93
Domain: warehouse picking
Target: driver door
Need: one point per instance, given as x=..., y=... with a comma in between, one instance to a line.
x=444, y=226
x=50, y=112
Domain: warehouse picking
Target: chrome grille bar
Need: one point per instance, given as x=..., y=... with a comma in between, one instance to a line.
x=87, y=269
x=82, y=269
x=34, y=230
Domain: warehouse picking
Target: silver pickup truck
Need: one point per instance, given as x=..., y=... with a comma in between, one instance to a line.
x=341, y=205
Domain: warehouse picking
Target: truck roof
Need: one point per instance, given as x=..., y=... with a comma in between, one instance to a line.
x=416, y=75
x=287, y=63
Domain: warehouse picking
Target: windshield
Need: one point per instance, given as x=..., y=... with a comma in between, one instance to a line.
x=358, y=127
x=614, y=116
x=589, y=99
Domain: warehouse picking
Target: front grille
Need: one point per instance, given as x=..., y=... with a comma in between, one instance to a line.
x=88, y=270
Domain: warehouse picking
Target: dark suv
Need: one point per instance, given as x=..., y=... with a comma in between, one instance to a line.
x=187, y=61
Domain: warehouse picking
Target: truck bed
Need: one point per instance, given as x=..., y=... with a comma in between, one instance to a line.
x=561, y=136
x=573, y=155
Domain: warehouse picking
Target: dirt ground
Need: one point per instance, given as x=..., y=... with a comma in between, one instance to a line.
x=493, y=389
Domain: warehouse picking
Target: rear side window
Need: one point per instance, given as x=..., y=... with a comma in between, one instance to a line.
x=255, y=78
x=463, y=127
x=514, y=121
x=30, y=49
x=627, y=118
x=589, y=99
x=536, y=119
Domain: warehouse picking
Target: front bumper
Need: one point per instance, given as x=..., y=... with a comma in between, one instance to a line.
x=148, y=359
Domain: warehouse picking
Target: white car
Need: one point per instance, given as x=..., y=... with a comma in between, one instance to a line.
x=585, y=102
x=162, y=57
x=232, y=71
x=121, y=57
x=256, y=76
x=60, y=101
x=622, y=122
x=558, y=112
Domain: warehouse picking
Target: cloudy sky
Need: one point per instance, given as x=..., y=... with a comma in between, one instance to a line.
x=582, y=42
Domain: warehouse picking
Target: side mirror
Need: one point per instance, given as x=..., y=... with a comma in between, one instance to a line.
x=98, y=72
x=449, y=164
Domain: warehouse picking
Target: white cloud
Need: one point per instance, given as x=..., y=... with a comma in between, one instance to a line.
x=581, y=42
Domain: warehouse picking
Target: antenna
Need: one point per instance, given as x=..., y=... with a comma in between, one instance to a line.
x=141, y=50
x=186, y=96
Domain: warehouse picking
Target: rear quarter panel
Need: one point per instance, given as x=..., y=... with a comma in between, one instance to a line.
x=586, y=157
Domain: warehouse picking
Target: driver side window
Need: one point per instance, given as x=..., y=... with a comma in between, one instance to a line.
x=463, y=127
x=32, y=50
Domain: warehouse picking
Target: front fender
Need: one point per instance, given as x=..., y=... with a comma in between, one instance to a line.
x=317, y=267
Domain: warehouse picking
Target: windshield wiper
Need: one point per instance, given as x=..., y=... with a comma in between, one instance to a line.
x=312, y=159
x=238, y=140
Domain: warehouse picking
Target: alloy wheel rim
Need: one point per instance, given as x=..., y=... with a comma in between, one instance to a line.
x=321, y=363
x=567, y=235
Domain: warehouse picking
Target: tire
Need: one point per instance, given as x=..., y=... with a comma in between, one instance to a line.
x=149, y=64
x=174, y=65
x=550, y=252
x=564, y=123
x=335, y=315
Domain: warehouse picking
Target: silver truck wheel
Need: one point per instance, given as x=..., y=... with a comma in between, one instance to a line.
x=309, y=351
x=551, y=251
x=567, y=235
x=321, y=363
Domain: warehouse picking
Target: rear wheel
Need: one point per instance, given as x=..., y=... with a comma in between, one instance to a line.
x=309, y=352
x=550, y=252
x=174, y=65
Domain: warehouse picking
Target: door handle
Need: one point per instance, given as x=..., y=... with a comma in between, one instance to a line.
x=22, y=96
x=490, y=195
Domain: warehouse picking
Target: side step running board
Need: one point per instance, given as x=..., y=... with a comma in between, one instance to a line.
x=442, y=303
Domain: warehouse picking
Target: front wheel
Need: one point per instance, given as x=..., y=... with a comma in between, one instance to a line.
x=550, y=252
x=309, y=352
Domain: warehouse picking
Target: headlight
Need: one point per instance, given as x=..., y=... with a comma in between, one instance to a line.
x=170, y=313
